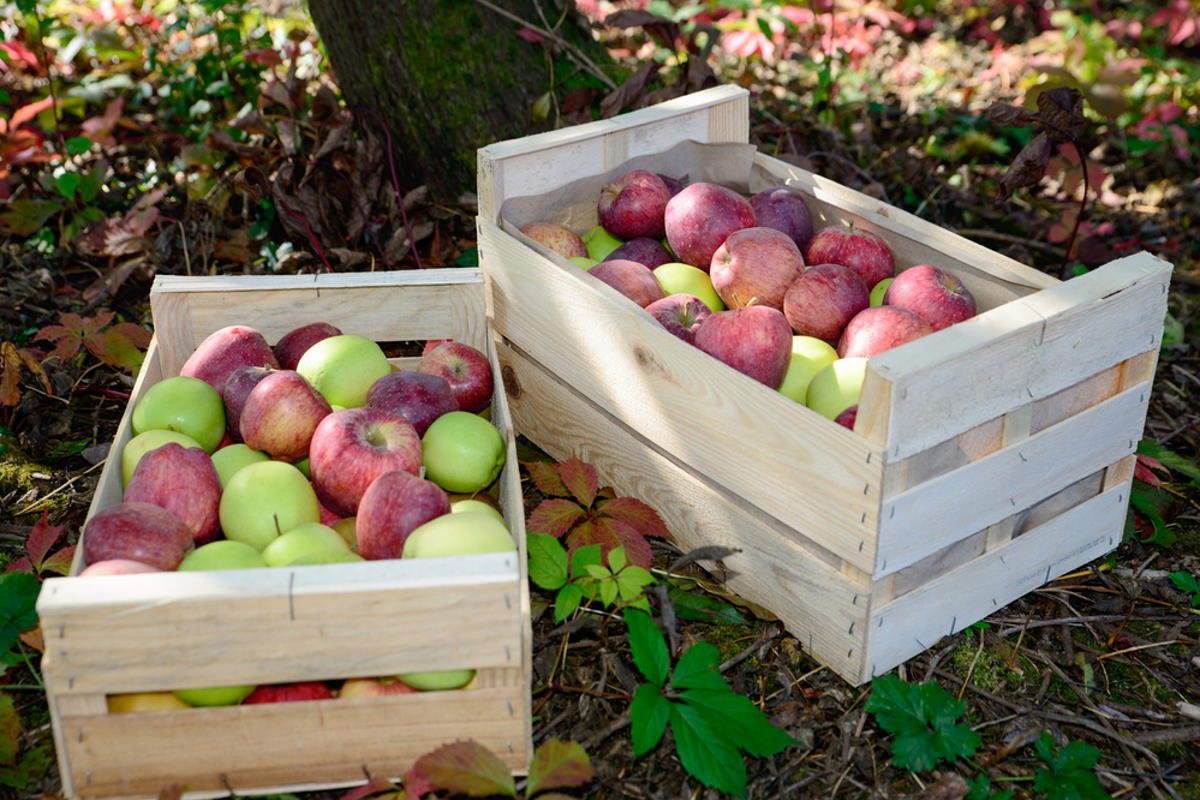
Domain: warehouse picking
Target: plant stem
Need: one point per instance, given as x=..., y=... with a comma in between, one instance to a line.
x=1082, y=201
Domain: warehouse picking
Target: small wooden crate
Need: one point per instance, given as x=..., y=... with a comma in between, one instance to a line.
x=134, y=633
x=987, y=459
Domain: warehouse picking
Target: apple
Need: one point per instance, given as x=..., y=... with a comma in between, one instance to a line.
x=880, y=328
x=473, y=505
x=676, y=277
x=674, y=186
x=861, y=251
x=701, y=217
x=754, y=340
x=298, y=691
x=632, y=206
x=784, y=209
x=133, y=702
x=342, y=368
x=295, y=343
x=438, y=680
x=373, y=687
x=837, y=386
x=347, y=529
x=231, y=458
x=466, y=533
x=187, y=405
x=635, y=281
x=755, y=266
x=560, y=239
x=823, y=300
x=681, y=314
x=143, y=443
x=466, y=369
x=224, y=350
x=418, y=397
x=237, y=388
x=583, y=262
x=432, y=343
x=462, y=452
x=181, y=480
x=809, y=356
x=304, y=542
x=214, y=695
x=352, y=448
x=644, y=250
x=280, y=415
x=599, y=243
x=136, y=532
x=262, y=501
x=848, y=417
x=879, y=290
x=933, y=294
x=117, y=566
x=330, y=556
x=395, y=504
x=222, y=554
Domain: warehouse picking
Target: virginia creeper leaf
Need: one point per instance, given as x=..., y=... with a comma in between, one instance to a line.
x=649, y=714
x=568, y=599
x=25, y=217
x=921, y=717
x=372, y=788
x=558, y=765
x=699, y=668
x=554, y=516
x=705, y=752
x=648, y=646
x=10, y=731
x=466, y=767
x=41, y=539
x=122, y=346
x=1070, y=773
x=546, y=478
x=60, y=562
x=547, y=561
x=743, y=721
x=616, y=559
x=583, y=558
x=641, y=517
x=18, y=611
x=580, y=479
x=612, y=533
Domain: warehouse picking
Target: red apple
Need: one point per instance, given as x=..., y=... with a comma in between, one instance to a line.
x=137, y=532
x=645, y=251
x=823, y=300
x=633, y=205
x=288, y=692
x=416, y=396
x=754, y=340
x=861, y=251
x=783, y=209
x=225, y=350
x=848, y=417
x=293, y=343
x=701, y=217
x=118, y=566
x=280, y=415
x=933, y=294
x=237, y=388
x=880, y=328
x=466, y=369
x=353, y=447
x=374, y=687
x=635, y=281
x=181, y=480
x=754, y=267
x=681, y=314
x=432, y=343
x=558, y=238
x=674, y=186
x=395, y=504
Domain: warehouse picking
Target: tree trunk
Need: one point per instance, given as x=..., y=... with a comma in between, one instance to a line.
x=447, y=76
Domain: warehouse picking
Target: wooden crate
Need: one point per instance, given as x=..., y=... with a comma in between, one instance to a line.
x=987, y=458
x=107, y=635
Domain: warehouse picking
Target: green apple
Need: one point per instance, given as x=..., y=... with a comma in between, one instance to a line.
x=222, y=554
x=461, y=506
x=878, y=291
x=583, y=262
x=143, y=443
x=809, y=356
x=600, y=243
x=462, y=452
x=214, y=695
x=439, y=680
x=325, y=557
x=187, y=405
x=465, y=533
x=345, y=528
x=679, y=278
x=265, y=500
x=837, y=386
x=232, y=457
x=302, y=465
x=308, y=540
x=342, y=368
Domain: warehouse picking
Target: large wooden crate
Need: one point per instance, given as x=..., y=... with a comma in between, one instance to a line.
x=134, y=633
x=987, y=458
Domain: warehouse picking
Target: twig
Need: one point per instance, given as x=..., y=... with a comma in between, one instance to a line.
x=1103, y=656
x=574, y=51
x=1186, y=733
x=1000, y=236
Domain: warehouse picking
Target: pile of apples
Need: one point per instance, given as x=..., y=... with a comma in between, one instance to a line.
x=748, y=281
x=314, y=450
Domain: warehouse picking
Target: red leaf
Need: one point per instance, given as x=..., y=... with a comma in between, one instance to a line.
x=20, y=53
x=374, y=787
x=1143, y=470
x=20, y=565
x=637, y=514
x=99, y=128
x=609, y=533
x=42, y=538
x=26, y=113
x=546, y=478
x=558, y=765
x=267, y=56
x=120, y=346
x=530, y=35
x=60, y=562
x=580, y=479
x=66, y=341
x=555, y=517
x=465, y=768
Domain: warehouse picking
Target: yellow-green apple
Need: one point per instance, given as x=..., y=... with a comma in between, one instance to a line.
x=295, y=343
x=222, y=554
x=395, y=504
x=635, y=281
x=214, y=695
x=187, y=405
x=874, y=330
x=224, y=350
x=326, y=557
x=346, y=528
x=823, y=300
x=474, y=505
x=373, y=687
x=555, y=237
x=599, y=242
x=848, y=417
x=467, y=533
x=583, y=262
x=754, y=267
x=675, y=277
x=132, y=702
x=837, y=386
x=418, y=397
x=304, y=541
x=632, y=206
x=784, y=209
x=861, y=251
x=262, y=501
x=238, y=386
x=681, y=314
x=117, y=566
x=143, y=443
x=466, y=369
x=644, y=250
x=933, y=294
x=230, y=458
x=701, y=217
x=438, y=680
x=809, y=356
x=181, y=480
x=352, y=448
x=280, y=415
x=298, y=691
x=879, y=290
x=137, y=532
x=342, y=368
x=462, y=452
x=754, y=340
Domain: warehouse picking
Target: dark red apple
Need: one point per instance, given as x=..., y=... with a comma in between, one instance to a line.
x=237, y=388
x=754, y=267
x=681, y=314
x=295, y=342
x=880, y=328
x=933, y=294
x=416, y=396
x=754, y=340
x=823, y=300
x=466, y=369
x=394, y=505
x=783, y=209
x=353, y=447
x=635, y=281
x=861, y=251
x=558, y=238
x=225, y=350
x=648, y=252
x=701, y=217
x=280, y=414
x=137, y=532
x=181, y=480
x=288, y=692
x=633, y=205
x=848, y=417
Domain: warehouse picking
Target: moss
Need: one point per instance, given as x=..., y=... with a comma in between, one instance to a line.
x=730, y=639
x=24, y=479
x=993, y=671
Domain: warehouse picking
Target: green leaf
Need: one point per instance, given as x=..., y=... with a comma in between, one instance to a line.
x=465, y=768
x=648, y=716
x=1170, y=459
x=740, y=719
x=67, y=184
x=705, y=753
x=25, y=217
x=648, y=646
x=1070, y=773
x=568, y=599
x=558, y=765
x=468, y=258
x=584, y=557
x=78, y=145
x=608, y=591
x=699, y=668
x=632, y=580
x=18, y=606
x=10, y=731
x=598, y=571
x=616, y=559
x=547, y=561
x=1147, y=502
x=1186, y=582
x=922, y=719
x=701, y=607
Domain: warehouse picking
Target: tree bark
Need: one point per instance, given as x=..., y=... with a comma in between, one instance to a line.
x=446, y=76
